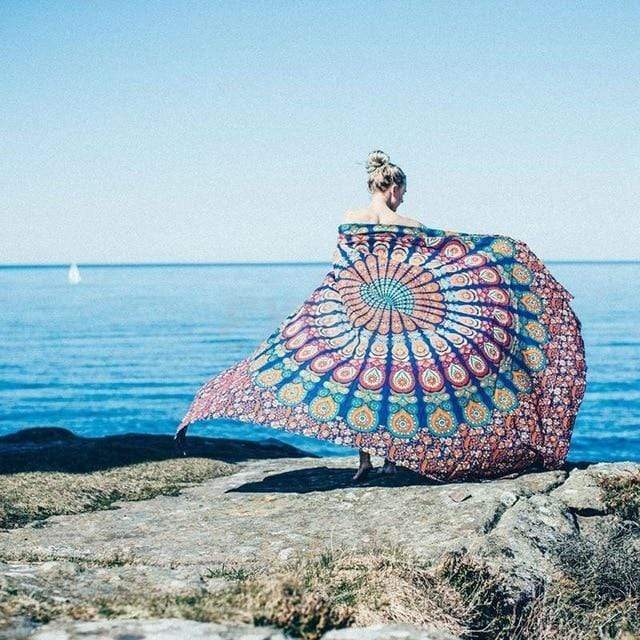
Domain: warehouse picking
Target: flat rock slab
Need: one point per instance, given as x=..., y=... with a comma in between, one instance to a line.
x=272, y=508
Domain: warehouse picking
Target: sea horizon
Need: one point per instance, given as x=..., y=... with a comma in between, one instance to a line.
x=62, y=265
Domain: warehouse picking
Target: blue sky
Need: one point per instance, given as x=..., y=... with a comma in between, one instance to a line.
x=201, y=131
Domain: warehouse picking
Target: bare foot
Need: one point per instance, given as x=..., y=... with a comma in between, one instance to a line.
x=363, y=471
x=388, y=467
x=365, y=466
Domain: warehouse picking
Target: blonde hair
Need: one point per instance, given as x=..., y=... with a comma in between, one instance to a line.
x=382, y=172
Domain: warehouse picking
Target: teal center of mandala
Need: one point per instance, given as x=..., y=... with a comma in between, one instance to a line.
x=388, y=293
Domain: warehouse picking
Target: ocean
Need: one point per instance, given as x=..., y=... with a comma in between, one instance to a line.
x=126, y=349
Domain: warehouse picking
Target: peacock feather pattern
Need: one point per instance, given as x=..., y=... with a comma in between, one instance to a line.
x=453, y=354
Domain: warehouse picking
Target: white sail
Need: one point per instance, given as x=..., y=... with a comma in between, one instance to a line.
x=74, y=274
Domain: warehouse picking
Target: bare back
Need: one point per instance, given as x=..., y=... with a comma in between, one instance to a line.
x=369, y=216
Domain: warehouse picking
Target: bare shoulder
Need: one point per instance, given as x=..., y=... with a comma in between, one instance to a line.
x=358, y=215
x=412, y=222
x=365, y=216
x=404, y=220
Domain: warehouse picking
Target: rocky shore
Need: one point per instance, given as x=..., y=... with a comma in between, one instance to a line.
x=119, y=537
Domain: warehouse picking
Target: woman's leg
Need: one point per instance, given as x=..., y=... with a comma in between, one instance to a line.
x=388, y=467
x=365, y=466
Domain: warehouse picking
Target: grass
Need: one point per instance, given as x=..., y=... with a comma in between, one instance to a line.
x=35, y=495
x=622, y=495
x=311, y=594
x=595, y=594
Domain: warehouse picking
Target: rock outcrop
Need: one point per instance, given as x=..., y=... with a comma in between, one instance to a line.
x=270, y=510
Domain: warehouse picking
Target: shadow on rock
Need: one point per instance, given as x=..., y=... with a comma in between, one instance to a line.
x=329, y=478
x=57, y=449
x=323, y=478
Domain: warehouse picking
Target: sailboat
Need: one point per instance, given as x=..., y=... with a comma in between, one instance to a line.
x=74, y=274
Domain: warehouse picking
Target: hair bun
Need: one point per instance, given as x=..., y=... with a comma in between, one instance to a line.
x=376, y=160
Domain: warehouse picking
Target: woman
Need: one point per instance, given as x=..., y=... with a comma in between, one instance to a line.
x=387, y=185
x=453, y=354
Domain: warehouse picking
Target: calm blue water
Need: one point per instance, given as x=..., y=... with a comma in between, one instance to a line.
x=126, y=349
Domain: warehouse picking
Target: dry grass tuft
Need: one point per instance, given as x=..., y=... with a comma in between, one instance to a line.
x=311, y=594
x=489, y=608
x=622, y=495
x=596, y=594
